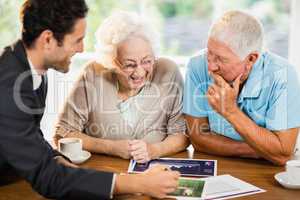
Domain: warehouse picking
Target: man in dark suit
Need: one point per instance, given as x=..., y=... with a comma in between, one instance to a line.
x=52, y=32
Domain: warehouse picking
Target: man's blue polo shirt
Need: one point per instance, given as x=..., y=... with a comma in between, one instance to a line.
x=270, y=96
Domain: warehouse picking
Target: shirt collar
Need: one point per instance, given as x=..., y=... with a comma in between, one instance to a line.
x=36, y=78
x=253, y=85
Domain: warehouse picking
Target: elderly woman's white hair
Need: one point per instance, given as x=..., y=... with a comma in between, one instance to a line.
x=242, y=32
x=117, y=28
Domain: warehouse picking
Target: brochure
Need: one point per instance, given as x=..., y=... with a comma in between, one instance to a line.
x=186, y=167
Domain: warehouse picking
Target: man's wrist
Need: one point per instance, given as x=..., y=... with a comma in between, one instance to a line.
x=231, y=115
x=137, y=183
x=141, y=184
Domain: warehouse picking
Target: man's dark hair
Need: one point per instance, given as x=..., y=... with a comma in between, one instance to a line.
x=58, y=16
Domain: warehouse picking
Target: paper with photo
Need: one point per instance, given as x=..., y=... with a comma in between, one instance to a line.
x=188, y=189
x=186, y=167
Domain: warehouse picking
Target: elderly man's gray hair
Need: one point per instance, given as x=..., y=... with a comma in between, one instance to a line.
x=117, y=28
x=242, y=32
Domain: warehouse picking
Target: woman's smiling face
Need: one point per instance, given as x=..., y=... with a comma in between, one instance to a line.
x=135, y=62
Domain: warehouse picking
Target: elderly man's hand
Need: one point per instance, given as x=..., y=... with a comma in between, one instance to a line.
x=140, y=151
x=222, y=97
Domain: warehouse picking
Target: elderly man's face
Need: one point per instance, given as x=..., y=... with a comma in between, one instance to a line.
x=136, y=60
x=224, y=62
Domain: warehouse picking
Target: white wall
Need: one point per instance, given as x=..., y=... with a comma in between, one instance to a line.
x=294, y=43
x=59, y=87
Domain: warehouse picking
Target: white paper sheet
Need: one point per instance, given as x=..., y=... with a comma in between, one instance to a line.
x=227, y=186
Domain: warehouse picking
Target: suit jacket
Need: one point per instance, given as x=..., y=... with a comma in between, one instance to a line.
x=22, y=146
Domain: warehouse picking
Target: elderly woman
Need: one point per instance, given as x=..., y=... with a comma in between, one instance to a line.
x=128, y=102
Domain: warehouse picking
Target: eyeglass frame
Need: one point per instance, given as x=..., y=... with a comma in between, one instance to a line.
x=131, y=69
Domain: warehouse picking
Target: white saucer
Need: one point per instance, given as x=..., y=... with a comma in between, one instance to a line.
x=84, y=156
x=282, y=178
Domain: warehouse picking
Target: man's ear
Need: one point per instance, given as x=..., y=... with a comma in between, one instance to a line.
x=47, y=40
x=252, y=58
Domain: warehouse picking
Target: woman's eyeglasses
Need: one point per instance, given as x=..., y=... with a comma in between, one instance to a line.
x=131, y=66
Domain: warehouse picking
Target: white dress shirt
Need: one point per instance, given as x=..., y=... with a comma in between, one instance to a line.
x=36, y=78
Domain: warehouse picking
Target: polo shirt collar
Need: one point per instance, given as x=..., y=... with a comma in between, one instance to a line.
x=253, y=85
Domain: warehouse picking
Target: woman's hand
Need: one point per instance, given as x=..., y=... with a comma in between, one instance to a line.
x=141, y=151
x=121, y=148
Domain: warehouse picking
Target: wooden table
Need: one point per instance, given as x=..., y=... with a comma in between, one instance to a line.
x=257, y=172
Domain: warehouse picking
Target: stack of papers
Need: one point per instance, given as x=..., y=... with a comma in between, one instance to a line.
x=227, y=186
x=210, y=187
x=217, y=187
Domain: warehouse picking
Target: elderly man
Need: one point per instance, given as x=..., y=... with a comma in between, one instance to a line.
x=239, y=100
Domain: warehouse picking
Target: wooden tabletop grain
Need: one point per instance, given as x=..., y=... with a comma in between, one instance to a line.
x=257, y=172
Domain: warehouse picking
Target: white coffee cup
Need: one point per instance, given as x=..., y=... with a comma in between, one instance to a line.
x=70, y=147
x=293, y=171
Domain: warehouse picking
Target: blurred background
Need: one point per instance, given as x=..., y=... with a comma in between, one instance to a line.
x=182, y=24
